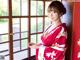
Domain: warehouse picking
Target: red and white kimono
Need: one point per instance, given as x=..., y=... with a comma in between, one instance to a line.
x=53, y=44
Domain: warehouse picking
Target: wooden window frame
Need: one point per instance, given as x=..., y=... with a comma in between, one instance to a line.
x=29, y=28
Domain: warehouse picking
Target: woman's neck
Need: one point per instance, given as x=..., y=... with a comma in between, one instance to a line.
x=56, y=23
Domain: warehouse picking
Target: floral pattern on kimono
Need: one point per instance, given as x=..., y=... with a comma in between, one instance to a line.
x=53, y=45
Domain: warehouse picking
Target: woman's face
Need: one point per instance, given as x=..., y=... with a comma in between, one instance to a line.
x=53, y=16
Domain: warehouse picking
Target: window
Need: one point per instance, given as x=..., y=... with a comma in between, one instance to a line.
x=21, y=21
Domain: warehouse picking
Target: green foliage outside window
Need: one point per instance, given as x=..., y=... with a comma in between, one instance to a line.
x=3, y=21
x=39, y=10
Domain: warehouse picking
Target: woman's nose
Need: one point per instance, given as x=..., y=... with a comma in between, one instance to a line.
x=51, y=14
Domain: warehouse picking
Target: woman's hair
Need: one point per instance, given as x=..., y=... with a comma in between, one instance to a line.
x=57, y=6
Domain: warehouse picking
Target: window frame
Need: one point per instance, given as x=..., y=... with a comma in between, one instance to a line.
x=10, y=34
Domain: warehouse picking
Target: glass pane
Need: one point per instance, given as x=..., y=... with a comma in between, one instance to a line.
x=16, y=7
x=16, y=28
x=33, y=52
x=24, y=7
x=47, y=22
x=24, y=24
x=33, y=7
x=4, y=49
x=46, y=7
x=4, y=23
x=21, y=7
x=4, y=30
x=24, y=34
x=24, y=28
x=16, y=36
x=16, y=25
x=4, y=8
x=21, y=55
x=39, y=8
x=16, y=46
x=3, y=38
x=33, y=25
x=33, y=38
x=24, y=43
x=7, y=57
x=40, y=24
x=39, y=38
x=36, y=7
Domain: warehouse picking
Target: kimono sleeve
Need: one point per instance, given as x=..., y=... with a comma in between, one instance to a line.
x=61, y=38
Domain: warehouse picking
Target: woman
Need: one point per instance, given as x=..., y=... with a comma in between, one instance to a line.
x=54, y=37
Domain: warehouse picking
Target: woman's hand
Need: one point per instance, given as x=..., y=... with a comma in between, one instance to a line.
x=33, y=45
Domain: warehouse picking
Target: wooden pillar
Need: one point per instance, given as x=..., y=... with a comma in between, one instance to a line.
x=76, y=31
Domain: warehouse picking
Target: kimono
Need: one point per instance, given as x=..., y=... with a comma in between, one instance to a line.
x=53, y=44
